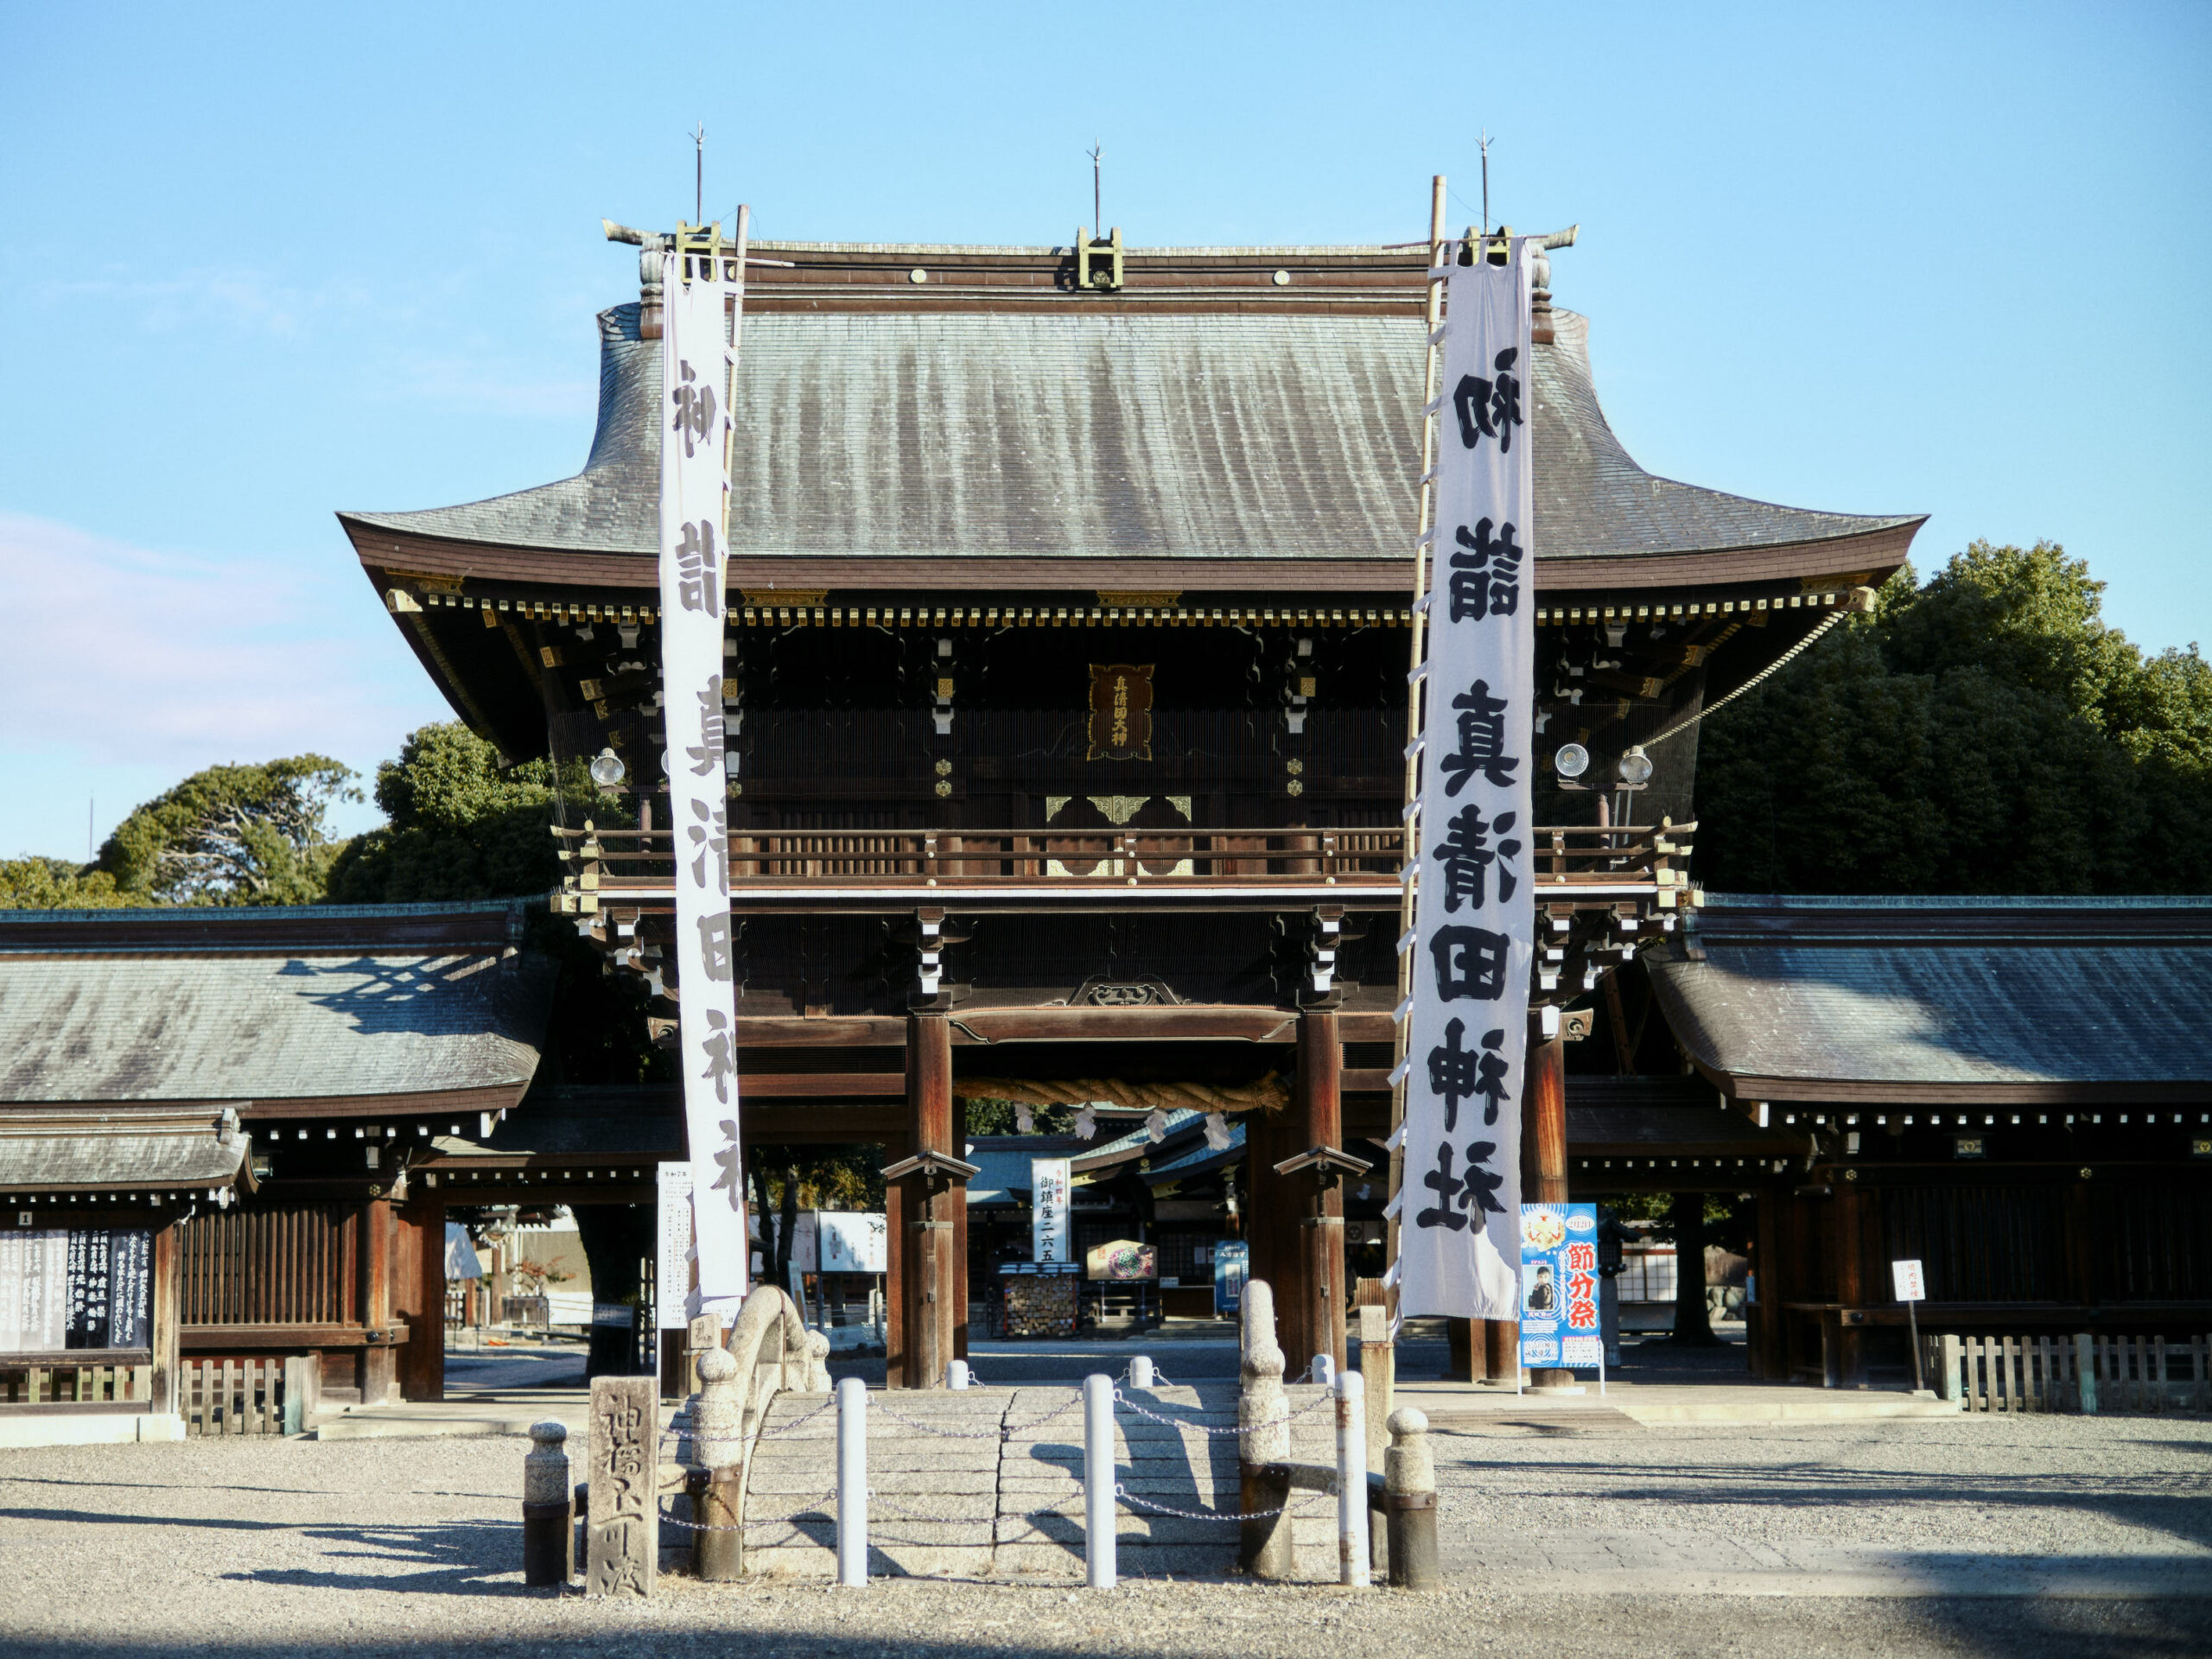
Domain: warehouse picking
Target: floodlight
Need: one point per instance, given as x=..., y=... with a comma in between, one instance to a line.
x=1572, y=760
x=606, y=768
x=1634, y=770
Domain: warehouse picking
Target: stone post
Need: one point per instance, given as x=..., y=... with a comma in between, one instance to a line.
x=622, y=1521
x=549, y=1533
x=718, y=1449
x=1409, y=1490
x=1264, y=1546
x=1378, y=1366
x=702, y=1334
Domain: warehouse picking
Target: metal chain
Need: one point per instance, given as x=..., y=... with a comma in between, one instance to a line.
x=821, y=1501
x=831, y=1404
x=1290, y=1508
x=1306, y=1410
x=991, y=1433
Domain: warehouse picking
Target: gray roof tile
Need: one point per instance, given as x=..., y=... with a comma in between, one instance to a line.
x=937, y=435
x=1946, y=993
x=264, y=1027
x=48, y=1152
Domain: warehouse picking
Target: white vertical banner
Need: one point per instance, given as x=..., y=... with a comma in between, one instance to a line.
x=698, y=360
x=1051, y=1189
x=674, y=1305
x=1474, y=934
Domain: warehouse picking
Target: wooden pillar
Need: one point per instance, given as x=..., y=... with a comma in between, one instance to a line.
x=380, y=1364
x=1274, y=1208
x=933, y=1278
x=1459, y=1341
x=1844, y=1243
x=1502, y=1338
x=1769, y=1363
x=960, y=1291
x=422, y=1362
x=1543, y=1159
x=165, y=1315
x=1320, y=1106
x=898, y=1264
x=2081, y=1245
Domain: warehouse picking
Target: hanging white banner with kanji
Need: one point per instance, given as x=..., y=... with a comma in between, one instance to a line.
x=1474, y=934
x=698, y=357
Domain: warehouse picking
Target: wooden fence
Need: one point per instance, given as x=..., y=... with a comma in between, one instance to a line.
x=2125, y=1373
x=250, y=1396
x=72, y=1381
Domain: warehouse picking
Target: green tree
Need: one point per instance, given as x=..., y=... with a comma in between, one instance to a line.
x=57, y=884
x=234, y=834
x=460, y=826
x=1986, y=734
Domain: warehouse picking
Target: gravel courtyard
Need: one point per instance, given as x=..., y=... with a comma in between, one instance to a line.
x=1977, y=1537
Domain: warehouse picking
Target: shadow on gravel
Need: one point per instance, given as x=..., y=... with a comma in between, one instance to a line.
x=2186, y=1515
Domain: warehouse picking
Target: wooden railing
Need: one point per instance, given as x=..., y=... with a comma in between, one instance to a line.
x=2048, y=1373
x=1565, y=861
x=251, y=1395
x=85, y=1378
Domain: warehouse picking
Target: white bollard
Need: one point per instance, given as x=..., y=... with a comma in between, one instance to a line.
x=956, y=1374
x=1099, y=1507
x=852, y=1482
x=1322, y=1370
x=1351, y=1481
x=1141, y=1372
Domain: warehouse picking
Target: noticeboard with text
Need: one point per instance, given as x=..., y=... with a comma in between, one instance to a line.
x=1559, y=1287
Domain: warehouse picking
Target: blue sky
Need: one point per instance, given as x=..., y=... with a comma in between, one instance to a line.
x=264, y=263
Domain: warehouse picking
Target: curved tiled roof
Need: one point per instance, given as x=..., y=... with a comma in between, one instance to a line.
x=260, y=1029
x=1939, y=998
x=935, y=435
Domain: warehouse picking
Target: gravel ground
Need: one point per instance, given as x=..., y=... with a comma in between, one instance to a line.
x=2030, y=1484
x=387, y=1545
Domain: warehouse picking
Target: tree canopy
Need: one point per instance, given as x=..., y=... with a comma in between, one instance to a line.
x=461, y=826
x=232, y=835
x=56, y=884
x=1989, y=733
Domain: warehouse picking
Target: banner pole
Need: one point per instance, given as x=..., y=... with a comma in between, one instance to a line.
x=1431, y=314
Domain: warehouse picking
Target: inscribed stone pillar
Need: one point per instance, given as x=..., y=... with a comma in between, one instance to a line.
x=623, y=1523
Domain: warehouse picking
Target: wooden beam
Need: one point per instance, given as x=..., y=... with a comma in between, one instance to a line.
x=973, y=1026
x=772, y=1031
x=819, y=1085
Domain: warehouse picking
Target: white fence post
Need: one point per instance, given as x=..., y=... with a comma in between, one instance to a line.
x=1322, y=1370
x=957, y=1375
x=852, y=1482
x=1141, y=1372
x=1352, y=1565
x=1098, y=1500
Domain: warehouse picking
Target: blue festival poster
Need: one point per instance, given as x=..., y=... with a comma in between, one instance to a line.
x=1559, y=1287
x=1232, y=1260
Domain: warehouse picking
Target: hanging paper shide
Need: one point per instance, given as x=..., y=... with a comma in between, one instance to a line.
x=1475, y=927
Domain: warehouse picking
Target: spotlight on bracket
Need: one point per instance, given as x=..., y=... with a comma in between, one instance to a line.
x=606, y=768
x=1572, y=760
x=1634, y=770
